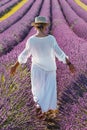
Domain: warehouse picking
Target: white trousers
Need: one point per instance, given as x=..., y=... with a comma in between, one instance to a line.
x=44, y=88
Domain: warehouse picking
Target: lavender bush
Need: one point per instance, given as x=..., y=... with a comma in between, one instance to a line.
x=81, y=12
x=84, y=1
x=4, y=9
x=73, y=108
x=78, y=25
x=16, y=17
x=4, y=2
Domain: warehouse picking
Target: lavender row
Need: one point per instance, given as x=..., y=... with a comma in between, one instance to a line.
x=73, y=105
x=72, y=45
x=19, y=30
x=78, y=25
x=15, y=17
x=81, y=12
x=4, y=2
x=84, y=1
x=4, y=9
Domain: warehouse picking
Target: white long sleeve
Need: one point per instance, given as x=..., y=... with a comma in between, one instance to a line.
x=59, y=53
x=25, y=54
x=43, y=51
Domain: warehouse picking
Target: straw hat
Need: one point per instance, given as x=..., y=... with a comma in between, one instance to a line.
x=40, y=19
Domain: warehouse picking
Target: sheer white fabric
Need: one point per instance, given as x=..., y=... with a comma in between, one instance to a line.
x=44, y=88
x=43, y=51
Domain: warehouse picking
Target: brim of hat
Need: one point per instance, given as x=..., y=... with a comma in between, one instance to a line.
x=34, y=24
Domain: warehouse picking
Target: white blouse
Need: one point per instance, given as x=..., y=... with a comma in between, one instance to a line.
x=43, y=51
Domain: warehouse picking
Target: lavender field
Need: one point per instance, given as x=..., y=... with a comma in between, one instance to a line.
x=68, y=23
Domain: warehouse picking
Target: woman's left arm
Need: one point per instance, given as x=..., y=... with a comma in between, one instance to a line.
x=62, y=56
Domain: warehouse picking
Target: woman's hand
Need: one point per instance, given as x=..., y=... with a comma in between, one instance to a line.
x=12, y=70
x=72, y=68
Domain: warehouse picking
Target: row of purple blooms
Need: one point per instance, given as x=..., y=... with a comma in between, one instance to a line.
x=79, y=10
x=7, y=7
x=77, y=24
x=2, y=3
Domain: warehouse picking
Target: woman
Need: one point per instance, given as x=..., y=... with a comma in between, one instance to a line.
x=43, y=48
